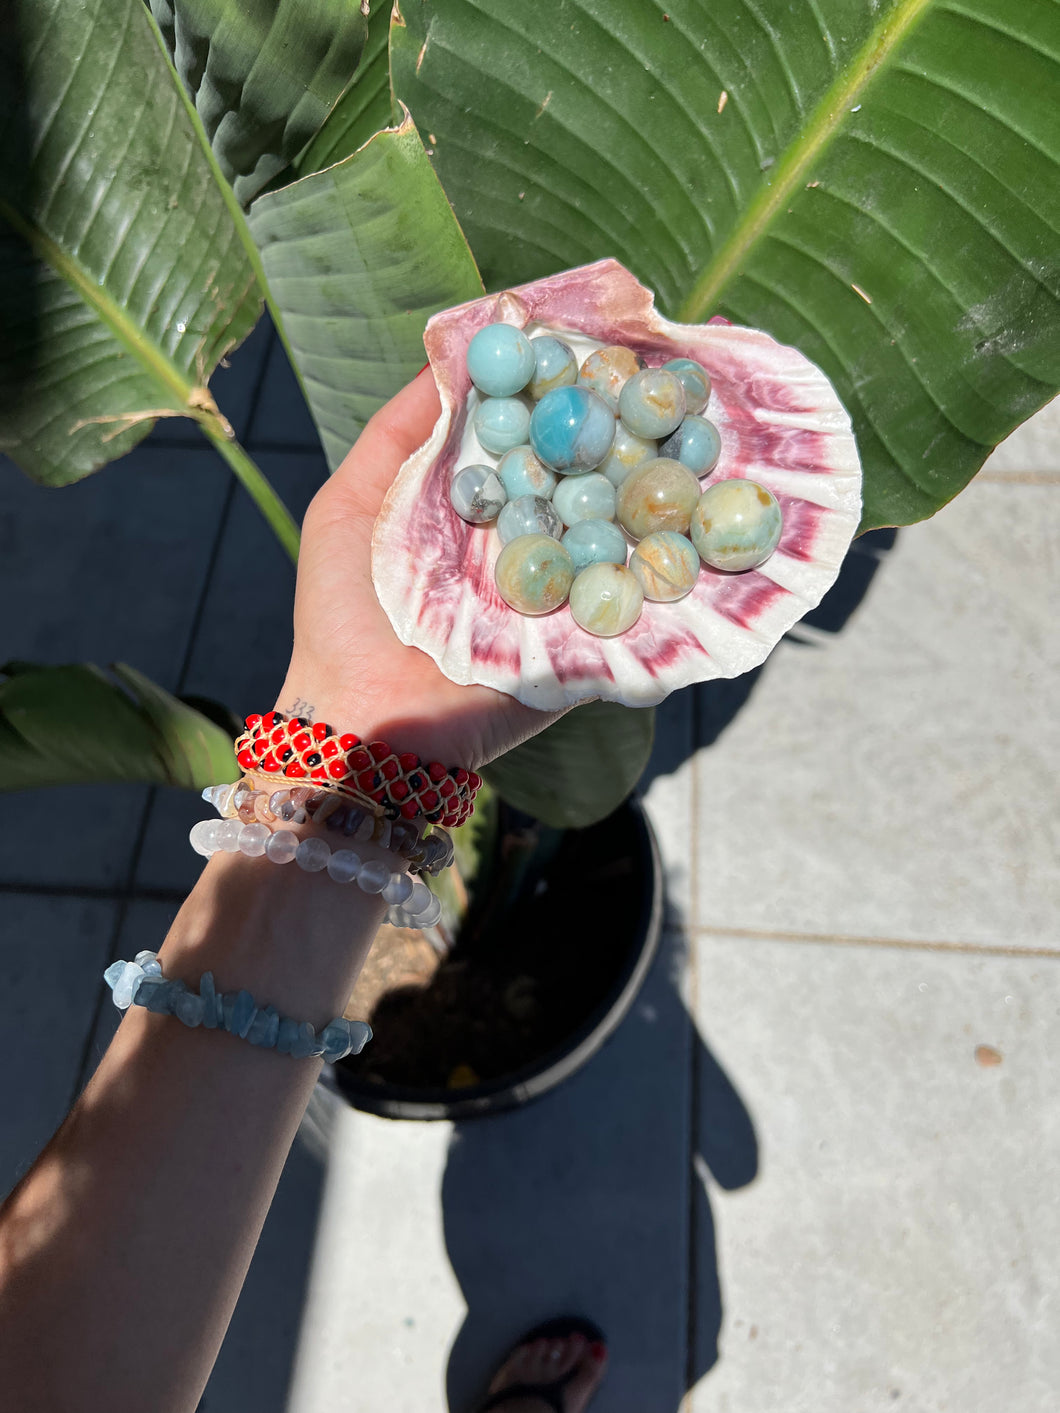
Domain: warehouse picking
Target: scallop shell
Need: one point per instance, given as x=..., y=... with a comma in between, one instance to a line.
x=781, y=424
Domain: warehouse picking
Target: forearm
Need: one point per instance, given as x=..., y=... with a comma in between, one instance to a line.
x=124, y=1249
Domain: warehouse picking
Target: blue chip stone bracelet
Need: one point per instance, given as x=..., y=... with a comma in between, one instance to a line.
x=141, y=983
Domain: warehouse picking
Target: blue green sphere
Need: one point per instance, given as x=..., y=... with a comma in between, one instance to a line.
x=628, y=451
x=696, y=444
x=605, y=599
x=695, y=379
x=502, y=423
x=556, y=367
x=608, y=370
x=571, y=430
x=595, y=542
x=500, y=360
x=652, y=403
x=590, y=497
x=665, y=565
x=523, y=475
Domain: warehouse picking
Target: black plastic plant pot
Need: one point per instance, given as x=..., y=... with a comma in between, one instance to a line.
x=624, y=876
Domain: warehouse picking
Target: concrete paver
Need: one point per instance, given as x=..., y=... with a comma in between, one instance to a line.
x=897, y=1249
x=382, y=1303
x=1032, y=453
x=667, y=793
x=896, y=781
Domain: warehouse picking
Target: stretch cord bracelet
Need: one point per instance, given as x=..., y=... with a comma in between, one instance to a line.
x=299, y=804
x=141, y=983
x=412, y=904
x=398, y=785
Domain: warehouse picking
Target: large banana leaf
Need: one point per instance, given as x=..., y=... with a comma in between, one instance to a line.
x=578, y=769
x=72, y=725
x=114, y=218
x=263, y=75
x=875, y=181
x=364, y=108
x=358, y=257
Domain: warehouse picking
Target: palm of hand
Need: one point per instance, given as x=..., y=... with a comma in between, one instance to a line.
x=349, y=667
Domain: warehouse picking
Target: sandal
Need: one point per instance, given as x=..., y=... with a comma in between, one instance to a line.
x=550, y=1393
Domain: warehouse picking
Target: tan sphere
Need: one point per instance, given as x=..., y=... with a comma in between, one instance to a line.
x=660, y=495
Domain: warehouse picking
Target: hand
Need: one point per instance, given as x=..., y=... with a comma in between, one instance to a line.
x=348, y=667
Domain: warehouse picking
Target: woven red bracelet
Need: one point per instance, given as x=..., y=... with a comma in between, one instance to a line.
x=363, y=770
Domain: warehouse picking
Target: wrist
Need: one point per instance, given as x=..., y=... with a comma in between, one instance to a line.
x=342, y=822
x=381, y=775
x=293, y=939
x=403, y=720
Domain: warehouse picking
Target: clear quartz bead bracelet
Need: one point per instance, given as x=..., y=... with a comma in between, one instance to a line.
x=411, y=902
x=298, y=804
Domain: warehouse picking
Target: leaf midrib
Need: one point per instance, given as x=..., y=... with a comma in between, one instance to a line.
x=107, y=309
x=799, y=158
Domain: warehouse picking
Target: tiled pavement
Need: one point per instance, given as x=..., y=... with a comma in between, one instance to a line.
x=789, y=1184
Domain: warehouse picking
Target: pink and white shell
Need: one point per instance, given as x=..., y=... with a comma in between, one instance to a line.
x=781, y=424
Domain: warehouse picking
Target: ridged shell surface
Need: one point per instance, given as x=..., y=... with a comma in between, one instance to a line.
x=781, y=425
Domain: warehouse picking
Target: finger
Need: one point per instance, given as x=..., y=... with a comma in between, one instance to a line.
x=389, y=439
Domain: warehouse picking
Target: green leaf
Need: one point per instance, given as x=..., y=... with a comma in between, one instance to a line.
x=460, y=889
x=578, y=769
x=873, y=182
x=72, y=725
x=124, y=275
x=263, y=75
x=364, y=108
x=358, y=257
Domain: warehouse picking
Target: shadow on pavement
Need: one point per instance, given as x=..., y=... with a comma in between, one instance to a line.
x=589, y=1202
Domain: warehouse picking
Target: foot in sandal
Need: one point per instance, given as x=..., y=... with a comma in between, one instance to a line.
x=555, y=1368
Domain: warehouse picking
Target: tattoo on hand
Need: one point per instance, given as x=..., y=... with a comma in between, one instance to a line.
x=300, y=707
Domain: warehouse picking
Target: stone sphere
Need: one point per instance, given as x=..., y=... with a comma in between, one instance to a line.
x=665, y=565
x=477, y=494
x=500, y=360
x=695, y=379
x=736, y=525
x=660, y=495
x=571, y=430
x=502, y=423
x=528, y=515
x=628, y=451
x=652, y=403
x=696, y=444
x=557, y=367
x=608, y=370
x=605, y=600
x=596, y=542
x=590, y=497
x=523, y=475
x=534, y=574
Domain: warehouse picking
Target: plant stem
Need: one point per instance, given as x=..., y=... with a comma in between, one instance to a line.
x=260, y=491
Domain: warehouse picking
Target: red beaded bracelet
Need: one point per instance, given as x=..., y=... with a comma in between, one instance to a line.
x=401, y=784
